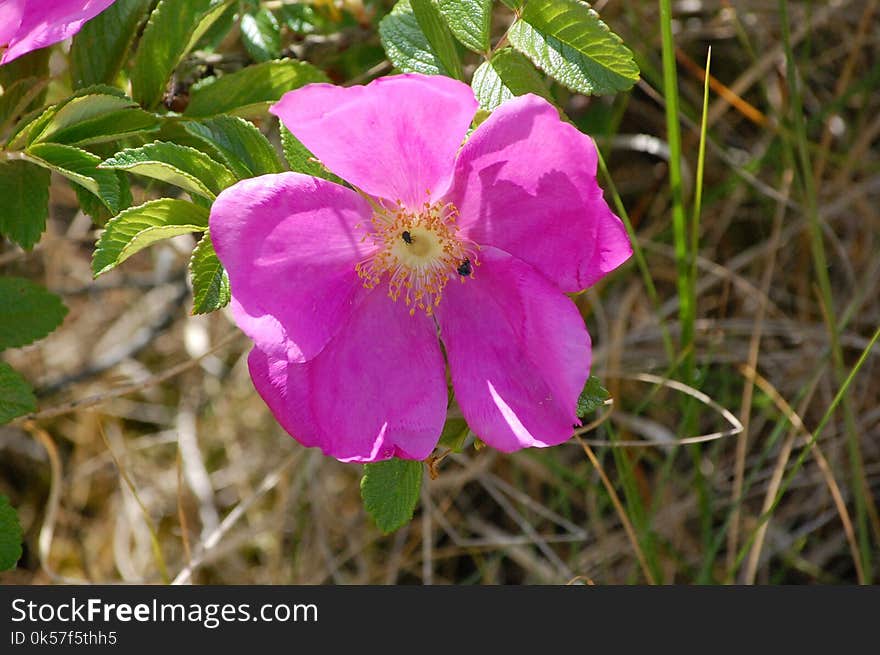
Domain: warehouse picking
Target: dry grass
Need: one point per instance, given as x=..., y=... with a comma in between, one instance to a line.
x=174, y=469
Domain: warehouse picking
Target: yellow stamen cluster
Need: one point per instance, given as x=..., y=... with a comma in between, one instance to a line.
x=418, y=253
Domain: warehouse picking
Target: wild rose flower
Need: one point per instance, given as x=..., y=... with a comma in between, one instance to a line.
x=349, y=294
x=27, y=25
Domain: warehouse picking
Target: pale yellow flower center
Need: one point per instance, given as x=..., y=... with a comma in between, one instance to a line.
x=418, y=253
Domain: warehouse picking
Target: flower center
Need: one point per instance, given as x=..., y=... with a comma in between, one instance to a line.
x=418, y=253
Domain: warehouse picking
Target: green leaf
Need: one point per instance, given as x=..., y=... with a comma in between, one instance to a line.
x=250, y=91
x=97, y=210
x=24, y=189
x=242, y=146
x=82, y=109
x=506, y=75
x=406, y=44
x=187, y=168
x=81, y=167
x=439, y=37
x=566, y=39
x=138, y=227
x=28, y=312
x=454, y=434
x=173, y=29
x=34, y=64
x=390, y=491
x=17, y=97
x=96, y=118
x=29, y=126
x=261, y=35
x=100, y=48
x=209, y=280
x=301, y=159
x=10, y=528
x=592, y=397
x=470, y=21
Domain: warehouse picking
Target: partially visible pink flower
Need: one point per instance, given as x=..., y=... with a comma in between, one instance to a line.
x=348, y=294
x=27, y=25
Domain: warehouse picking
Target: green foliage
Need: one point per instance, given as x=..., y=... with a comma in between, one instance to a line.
x=592, y=397
x=81, y=167
x=506, y=75
x=27, y=312
x=469, y=20
x=187, y=168
x=32, y=65
x=250, y=91
x=100, y=48
x=175, y=26
x=241, y=145
x=390, y=491
x=209, y=280
x=16, y=98
x=438, y=35
x=566, y=39
x=16, y=396
x=301, y=160
x=10, y=528
x=455, y=433
x=95, y=118
x=406, y=44
x=261, y=35
x=24, y=189
x=138, y=227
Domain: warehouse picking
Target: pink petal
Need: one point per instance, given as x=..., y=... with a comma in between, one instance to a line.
x=289, y=243
x=11, y=12
x=49, y=21
x=376, y=391
x=395, y=138
x=525, y=182
x=518, y=352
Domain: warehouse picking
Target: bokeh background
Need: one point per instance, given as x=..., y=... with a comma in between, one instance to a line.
x=153, y=459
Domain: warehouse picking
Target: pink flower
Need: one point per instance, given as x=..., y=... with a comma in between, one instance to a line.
x=349, y=294
x=27, y=25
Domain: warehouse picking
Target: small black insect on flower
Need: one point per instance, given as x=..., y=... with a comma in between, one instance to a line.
x=407, y=236
x=465, y=269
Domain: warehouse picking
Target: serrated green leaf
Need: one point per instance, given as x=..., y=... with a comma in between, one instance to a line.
x=100, y=48
x=592, y=397
x=138, y=227
x=406, y=44
x=390, y=491
x=28, y=312
x=110, y=127
x=242, y=146
x=439, y=37
x=469, y=20
x=566, y=39
x=100, y=116
x=209, y=279
x=81, y=167
x=301, y=160
x=506, y=75
x=29, y=126
x=250, y=91
x=261, y=35
x=32, y=125
x=187, y=168
x=24, y=189
x=97, y=210
x=173, y=29
x=10, y=528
